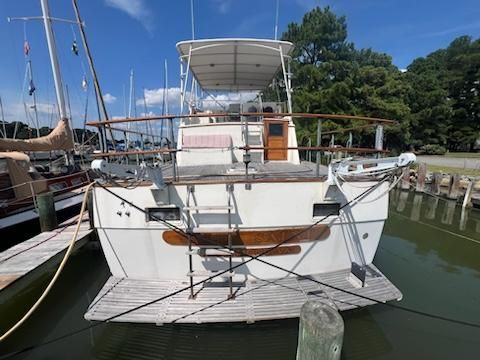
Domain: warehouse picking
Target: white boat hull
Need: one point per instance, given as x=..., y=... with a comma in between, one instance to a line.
x=136, y=248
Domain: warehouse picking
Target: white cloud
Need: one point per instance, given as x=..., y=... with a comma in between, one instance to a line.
x=137, y=9
x=109, y=98
x=154, y=97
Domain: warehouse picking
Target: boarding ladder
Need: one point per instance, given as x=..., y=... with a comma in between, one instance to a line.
x=193, y=230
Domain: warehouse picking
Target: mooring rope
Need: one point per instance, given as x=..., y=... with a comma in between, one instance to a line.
x=57, y=273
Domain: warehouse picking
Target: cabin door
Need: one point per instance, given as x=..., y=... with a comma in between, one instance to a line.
x=276, y=136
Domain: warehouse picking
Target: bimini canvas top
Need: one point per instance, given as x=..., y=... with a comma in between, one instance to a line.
x=234, y=64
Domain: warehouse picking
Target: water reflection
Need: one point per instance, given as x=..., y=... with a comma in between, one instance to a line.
x=437, y=225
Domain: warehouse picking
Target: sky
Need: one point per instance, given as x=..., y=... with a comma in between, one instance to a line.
x=141, y=34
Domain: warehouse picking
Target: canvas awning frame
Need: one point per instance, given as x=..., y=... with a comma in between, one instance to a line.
x=257, y=57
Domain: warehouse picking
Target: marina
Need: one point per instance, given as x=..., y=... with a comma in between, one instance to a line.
x=273, y=207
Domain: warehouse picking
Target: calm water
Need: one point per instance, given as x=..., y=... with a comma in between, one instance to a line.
x=437, y=271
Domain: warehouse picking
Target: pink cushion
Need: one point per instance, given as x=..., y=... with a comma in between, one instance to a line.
x=207, y=141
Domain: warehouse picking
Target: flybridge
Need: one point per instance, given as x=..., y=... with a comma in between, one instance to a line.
x=234, y=64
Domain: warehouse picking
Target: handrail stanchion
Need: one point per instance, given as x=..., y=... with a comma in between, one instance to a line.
x=319, y=143
x=246, y=155
x=173, y=153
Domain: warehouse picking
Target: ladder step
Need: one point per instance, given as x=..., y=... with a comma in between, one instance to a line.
x=211, y=207
x=208, y=273
x=204, y=230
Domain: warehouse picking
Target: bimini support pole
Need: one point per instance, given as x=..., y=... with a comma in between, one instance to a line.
x=286, y=79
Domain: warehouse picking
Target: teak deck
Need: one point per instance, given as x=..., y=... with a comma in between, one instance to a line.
x=254, y=300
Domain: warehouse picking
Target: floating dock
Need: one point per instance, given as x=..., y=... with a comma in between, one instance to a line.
x=254, y=300
x=27, y=261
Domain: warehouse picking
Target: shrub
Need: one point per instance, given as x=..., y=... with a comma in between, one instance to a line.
x=433, y=149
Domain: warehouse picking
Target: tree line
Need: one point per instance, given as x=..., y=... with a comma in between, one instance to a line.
x=435, y=101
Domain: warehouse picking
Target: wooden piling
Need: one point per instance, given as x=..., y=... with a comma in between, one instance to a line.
x=320, y=333
x=435, y=186
x=421, y=175
x=454, y=188
x=46, y=211
x=405, y=183
x=467, y=199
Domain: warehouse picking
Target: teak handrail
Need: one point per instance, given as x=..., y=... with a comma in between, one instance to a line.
x=313, y=148
x=293, y=115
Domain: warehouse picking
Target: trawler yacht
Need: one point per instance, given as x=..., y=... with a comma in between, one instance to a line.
x=236, y=227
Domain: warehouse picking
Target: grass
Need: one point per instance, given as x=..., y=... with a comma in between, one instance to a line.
x=453, y=170
x=464, y=155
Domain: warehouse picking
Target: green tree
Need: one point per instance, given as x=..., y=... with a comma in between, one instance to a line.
x=331, y=76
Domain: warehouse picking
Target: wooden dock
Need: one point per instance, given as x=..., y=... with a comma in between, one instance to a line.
x=255, y=300
x=29, y=260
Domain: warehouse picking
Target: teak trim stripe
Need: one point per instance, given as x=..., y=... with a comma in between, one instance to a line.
x=297, y=234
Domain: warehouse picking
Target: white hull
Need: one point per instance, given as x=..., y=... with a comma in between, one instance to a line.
x=135, y=247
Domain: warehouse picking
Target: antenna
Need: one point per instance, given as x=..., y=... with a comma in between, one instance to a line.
x=276, y=21
x=192, y=17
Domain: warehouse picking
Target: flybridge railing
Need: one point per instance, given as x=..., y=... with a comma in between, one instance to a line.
x=244, y=116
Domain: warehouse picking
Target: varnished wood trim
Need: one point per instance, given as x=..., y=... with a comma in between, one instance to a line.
x=252, y=237
x=282, y=250
x=293, y=115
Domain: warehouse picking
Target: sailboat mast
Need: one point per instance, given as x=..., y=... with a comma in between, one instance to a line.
x=3, y=119
x=54, y=60
x=98, y=91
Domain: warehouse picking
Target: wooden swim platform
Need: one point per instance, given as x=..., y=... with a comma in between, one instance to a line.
x=23, y=263
x=254, y=300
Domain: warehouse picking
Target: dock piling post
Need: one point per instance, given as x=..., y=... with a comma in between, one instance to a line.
x=46, y=211
x=467, y=199
x=421, y=175
x=405, y=183
x=436, y=180
x=454, y=187
x=320, y=334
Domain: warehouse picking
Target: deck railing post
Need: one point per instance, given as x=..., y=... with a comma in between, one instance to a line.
x=319, y=143
x=320, y=333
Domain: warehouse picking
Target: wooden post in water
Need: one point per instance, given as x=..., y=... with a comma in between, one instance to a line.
x=405, y=183
x=467, y=199
x=421, y=175
x=453, y=189
x=320, y=334
x=46, y=211
x=436, y=180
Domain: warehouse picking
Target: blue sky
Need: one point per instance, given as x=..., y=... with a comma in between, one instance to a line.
x=140, y=34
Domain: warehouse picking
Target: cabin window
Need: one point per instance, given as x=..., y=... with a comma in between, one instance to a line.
x=162, y=213
x=325, y=209
x=275, y=130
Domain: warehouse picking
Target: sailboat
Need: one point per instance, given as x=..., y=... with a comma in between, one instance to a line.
x=20, y=182
x=237, y=227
